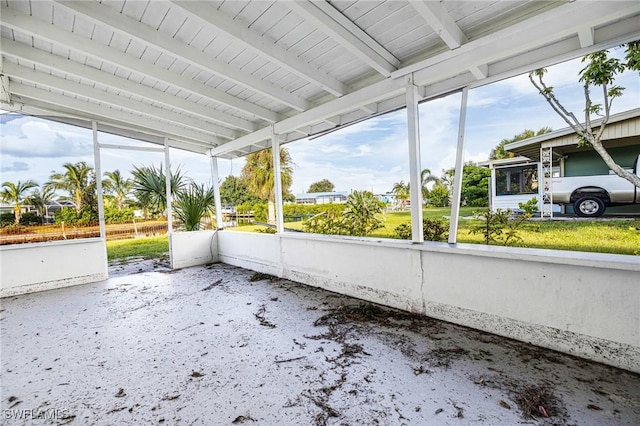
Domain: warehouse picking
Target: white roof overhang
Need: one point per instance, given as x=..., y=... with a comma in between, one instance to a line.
x=223, y=77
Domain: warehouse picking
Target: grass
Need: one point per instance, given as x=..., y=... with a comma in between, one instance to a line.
x=603, y=236
x=146, y=248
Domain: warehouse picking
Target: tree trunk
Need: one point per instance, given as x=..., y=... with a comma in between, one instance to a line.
x=634, y=179
x=271, y=214
x=17, y=214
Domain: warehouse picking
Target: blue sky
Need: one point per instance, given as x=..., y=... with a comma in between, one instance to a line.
x=370, y=155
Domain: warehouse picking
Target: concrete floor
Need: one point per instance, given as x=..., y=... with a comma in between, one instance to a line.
x=211, y=346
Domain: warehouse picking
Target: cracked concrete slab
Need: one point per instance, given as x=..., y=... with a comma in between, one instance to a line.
x=222, y=345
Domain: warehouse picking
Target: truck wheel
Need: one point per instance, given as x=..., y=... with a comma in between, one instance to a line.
x=589, y=206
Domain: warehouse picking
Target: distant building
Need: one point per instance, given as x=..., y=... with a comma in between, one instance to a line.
x=387, y=198
x=321, y=197
x=517, y=180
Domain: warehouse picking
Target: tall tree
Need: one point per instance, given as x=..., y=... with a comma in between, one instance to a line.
x=600, y=72
x=234, y=191
x=401, y=190
x=117, y=186
x=258, y=174
x=149, y=187
x=499, y=153
x=475, y=184
x=425, y=178
x=16, y=194
x=76, y=180
x=324, y=185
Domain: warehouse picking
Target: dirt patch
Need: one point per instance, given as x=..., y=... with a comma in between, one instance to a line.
x=259, y=276
x=538, y=402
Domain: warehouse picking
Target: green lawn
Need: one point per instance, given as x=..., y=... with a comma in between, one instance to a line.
x=604, y=236
x=147, y=248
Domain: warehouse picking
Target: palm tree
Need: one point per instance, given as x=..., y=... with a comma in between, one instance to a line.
x=150, y=188
x=259, y=176
x=41, y=200
x=360, y=213
x=401, y=191
x=77, y=181
x=116, y=185
x=16, y=195
x=425, y=178
x=192, y=204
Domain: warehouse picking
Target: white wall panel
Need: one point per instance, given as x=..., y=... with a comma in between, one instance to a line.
x=193, y=248
x=34, y=267
x=585, y=304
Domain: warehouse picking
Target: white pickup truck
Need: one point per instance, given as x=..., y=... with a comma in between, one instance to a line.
x=591, y=195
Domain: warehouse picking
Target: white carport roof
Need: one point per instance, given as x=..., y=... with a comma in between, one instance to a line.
x=221, y=77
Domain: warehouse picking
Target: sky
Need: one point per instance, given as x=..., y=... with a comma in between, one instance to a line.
x=371, y=155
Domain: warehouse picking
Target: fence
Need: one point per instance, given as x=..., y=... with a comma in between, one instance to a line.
x=40, y=233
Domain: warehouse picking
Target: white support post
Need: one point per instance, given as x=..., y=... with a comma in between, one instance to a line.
x=216, y=192
x=277, y=178
x=459, y=170
x=167, y=179
x=98, y=170
x=413, y=133
x=546, y=164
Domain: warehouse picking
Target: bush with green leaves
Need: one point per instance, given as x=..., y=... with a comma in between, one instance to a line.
x=433, y=230
x=113, y=215
x=7, y=219
x=529, y=207
x=71, y=216
x=438, y=196
x=360, y=216
x=192, y=204
x=499, y=227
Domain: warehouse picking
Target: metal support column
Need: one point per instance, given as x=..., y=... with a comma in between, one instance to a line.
x=216, y=192
x=459, y=170
x=167, y=179
x=546, y=164
x=413, y=134
x=277, y=179
x=98, y=170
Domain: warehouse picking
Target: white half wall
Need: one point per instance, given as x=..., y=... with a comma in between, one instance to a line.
x=27, y=268
x=193, y=248
x=584, y=304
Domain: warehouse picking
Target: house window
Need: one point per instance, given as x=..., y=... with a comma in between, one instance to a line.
x=517, y=180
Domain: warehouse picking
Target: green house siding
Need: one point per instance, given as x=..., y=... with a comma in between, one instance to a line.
x=588, y=163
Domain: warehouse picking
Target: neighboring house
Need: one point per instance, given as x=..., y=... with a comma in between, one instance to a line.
x=8, y=208
x=518, y=179
x=321, y=197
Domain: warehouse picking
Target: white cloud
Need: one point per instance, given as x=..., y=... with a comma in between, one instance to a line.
x=16, y=166
x=28, y=137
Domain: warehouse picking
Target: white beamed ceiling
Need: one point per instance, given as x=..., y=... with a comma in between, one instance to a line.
x=221, y=77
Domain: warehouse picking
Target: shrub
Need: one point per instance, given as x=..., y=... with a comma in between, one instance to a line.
x=433, y=230
x=499, y=227
x=261, y=212
x=30, y=219
x=529, y=207
x=113, y=215
x=7, y=219
x=70, y=216
x=359, y=216
x=438, y=196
